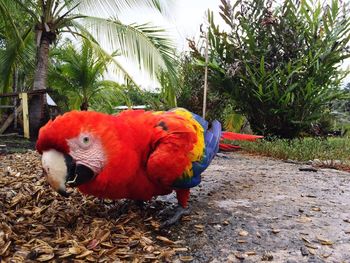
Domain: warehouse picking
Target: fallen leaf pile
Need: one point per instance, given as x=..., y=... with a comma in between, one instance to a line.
x=38, y=225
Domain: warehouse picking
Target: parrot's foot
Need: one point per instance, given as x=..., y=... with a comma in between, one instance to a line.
x=179, y=212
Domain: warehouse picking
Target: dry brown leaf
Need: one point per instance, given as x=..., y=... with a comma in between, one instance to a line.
x=325, y=242
x=250, y=253
x=104, y=235
x=275, y=231
x=240, y=256
x=186, y=258
x=304, y=219
x=151, y=257
x=243, y=233
x=148, y=249
x=85, y=254
x=90, y=259
x=326, y=255
x=107, y=245
x=75, y=250
x=93, y=243
x=4, y=249
x=306, y=240
x=165, y=240
x=45, y=257
x=180, y=249
x=311, y=251
x=147, y=240
x=65, y=255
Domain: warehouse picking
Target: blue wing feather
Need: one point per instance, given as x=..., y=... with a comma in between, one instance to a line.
x=211, y=140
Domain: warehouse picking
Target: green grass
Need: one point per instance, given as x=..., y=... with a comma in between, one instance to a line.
x=302, y=149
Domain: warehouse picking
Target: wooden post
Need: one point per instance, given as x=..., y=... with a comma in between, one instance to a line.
x=205, y=76
x=24, y=97
x=9, y=120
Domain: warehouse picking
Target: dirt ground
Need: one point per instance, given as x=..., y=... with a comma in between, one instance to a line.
x=254, y=209
x=247, y=209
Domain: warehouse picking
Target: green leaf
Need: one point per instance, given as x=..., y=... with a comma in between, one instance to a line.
x=262, y=66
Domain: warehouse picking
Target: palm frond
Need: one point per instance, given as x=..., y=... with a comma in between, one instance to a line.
x=18, y=51
x=11, y=28
x=144, y=45
x=30, y=8
x=111, y=8
x=115, y=66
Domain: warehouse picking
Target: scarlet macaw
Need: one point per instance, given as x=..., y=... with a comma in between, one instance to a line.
x=135, y=155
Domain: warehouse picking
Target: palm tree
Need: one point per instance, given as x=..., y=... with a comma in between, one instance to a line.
x=17, y=53
x=16, y=49
x=145, y=45
x=77, y=72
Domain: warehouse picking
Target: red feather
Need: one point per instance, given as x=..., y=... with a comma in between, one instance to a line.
x=239, y=137
x=232, y=136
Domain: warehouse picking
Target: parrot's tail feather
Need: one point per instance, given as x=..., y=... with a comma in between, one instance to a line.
x=232, y=136
x=240, y=137
x=228, y=147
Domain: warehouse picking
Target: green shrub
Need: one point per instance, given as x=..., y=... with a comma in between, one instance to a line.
x=190, y=95
x=280, y=64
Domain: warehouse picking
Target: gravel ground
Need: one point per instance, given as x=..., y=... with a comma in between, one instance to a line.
x=247, y=209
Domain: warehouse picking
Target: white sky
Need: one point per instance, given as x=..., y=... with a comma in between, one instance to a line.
x=184, y=22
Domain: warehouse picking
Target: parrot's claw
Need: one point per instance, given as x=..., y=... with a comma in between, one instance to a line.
x=179, y=212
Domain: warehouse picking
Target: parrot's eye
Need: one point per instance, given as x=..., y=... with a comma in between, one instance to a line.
x=86, y=140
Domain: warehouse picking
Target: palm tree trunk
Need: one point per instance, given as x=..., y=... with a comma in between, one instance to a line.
x=40, y=77
x=38, y=109
x=84, y=106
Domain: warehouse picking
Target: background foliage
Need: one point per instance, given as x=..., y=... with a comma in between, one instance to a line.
x=280, y=64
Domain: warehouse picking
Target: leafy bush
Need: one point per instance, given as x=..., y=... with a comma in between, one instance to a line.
x=219, y=106
x=280, y=64
x=191, y=90
x=233, y=121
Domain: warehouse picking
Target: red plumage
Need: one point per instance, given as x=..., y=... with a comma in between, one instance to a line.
x=143, y=158
x=144, y=153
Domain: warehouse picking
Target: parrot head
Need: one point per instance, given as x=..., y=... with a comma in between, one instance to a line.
x=72, y=149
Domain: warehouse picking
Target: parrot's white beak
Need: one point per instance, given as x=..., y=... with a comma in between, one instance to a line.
x=61, y=170
x=55, y=169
